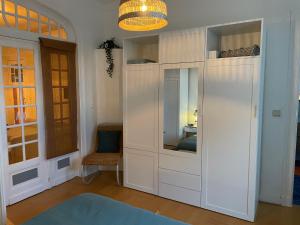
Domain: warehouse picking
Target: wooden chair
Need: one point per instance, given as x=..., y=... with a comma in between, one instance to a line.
x=104, y=159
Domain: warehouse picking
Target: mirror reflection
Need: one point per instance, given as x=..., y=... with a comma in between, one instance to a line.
x=180, y=109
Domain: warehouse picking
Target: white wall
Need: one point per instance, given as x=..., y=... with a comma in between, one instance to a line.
x=97, y=19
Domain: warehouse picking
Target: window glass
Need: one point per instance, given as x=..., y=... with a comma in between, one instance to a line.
x=11, y=20
x=9, y=7
x=33, y=15
x=54, y=29
x=15, y=154
x=31, y=151
x=22, y=24
x=34, y=26
x=22, y=11
x=2, y=22
x=26, y=57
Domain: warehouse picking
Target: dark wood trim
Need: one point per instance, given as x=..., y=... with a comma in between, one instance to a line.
x=59, y=45
x=49, y=47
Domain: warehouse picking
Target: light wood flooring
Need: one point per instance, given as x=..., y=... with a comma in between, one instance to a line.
x=105, y=184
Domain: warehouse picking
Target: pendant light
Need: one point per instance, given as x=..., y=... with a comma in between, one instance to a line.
x=142, y=15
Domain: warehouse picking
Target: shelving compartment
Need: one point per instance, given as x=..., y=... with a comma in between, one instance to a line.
x=234, y=40
x=141, y=50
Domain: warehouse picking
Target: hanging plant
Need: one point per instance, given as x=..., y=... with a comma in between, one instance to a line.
x=108, y=46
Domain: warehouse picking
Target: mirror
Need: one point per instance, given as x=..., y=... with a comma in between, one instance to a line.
x=180, y=109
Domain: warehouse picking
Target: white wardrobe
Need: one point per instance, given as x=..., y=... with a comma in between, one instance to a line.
x=214, y=163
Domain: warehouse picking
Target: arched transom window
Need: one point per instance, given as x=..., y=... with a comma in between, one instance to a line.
x=17, y=16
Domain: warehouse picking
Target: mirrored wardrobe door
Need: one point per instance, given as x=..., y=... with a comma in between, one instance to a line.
x=180, y=103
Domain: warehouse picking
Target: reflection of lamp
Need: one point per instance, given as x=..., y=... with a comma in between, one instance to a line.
x=196, y=116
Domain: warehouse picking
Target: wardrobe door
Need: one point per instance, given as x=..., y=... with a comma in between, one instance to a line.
x=182, y=46
x=141, y=170
x=141, y=84
x=229, y=157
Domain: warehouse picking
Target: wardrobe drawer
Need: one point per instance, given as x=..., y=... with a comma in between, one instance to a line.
x=179, y=194
x=180, y=164
x=178, y=179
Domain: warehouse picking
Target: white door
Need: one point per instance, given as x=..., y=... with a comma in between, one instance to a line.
x=228, y=164
x=22, y=128
x=171, y=112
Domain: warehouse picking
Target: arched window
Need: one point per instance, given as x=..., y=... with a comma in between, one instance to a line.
x=22, y=18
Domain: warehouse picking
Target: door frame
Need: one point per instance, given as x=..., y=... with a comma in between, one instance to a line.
x=293, y=104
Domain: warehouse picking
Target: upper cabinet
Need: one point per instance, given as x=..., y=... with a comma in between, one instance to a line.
x=234, y=40
x=182, y=46
x=141, y=50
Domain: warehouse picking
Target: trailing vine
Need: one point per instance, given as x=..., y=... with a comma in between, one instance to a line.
x=108, y=45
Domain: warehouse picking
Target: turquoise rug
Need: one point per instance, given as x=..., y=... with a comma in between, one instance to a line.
x=91, y=209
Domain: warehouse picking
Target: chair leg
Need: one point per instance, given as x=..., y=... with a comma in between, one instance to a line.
x=90, y=179
x=118, y=175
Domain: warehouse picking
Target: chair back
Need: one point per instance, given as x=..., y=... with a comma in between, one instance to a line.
x=112, y=127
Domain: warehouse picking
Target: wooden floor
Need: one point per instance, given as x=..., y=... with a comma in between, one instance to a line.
x=105, y=185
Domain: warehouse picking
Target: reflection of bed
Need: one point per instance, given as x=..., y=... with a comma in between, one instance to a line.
x=188, y=143
x=91, y=209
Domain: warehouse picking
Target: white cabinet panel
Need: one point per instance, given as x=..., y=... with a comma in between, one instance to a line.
x=178, y=179
x=141, y=84
x=141, y=170
x=229, y=111
x=179, y=194
x=182, y=46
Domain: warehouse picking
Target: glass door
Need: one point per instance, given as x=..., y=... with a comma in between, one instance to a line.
x=21, y=123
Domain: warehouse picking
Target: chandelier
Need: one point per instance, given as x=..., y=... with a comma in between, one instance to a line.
x=142, y=15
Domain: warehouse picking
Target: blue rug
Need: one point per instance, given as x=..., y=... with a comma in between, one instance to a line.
x=297, y=190
x=91, y=209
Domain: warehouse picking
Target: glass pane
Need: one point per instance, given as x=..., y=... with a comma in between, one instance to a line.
x=54, y=61
x=31, y=151
x=63, y=34
x=15, y=154
x=56, y=111
x=14, y=135
x=33, y=15
x=9, y=56
x=45, y=29
x=44, y=19
x=66, y=111
x=28, y=96
x=2, y=22
x=29, y=114
x=12, y=96
x=13, y=116
x=65, y=94
x=28, y=77
x=11, y=20
x=64, y=79
x=55, y=78
x=22, y=24
x=34, y=26
x=22, y=11
x=63, y=62
x=54, y=29
x=9, y=7
x=180, y=109
x=10, y=77
x=56, y=95
x=27, y=57
x=31, y=132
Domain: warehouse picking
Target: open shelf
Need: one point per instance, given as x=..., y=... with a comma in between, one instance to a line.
x=141, y=50
x=234, y=39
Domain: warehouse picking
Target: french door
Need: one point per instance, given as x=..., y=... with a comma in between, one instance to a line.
x=22, y=126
